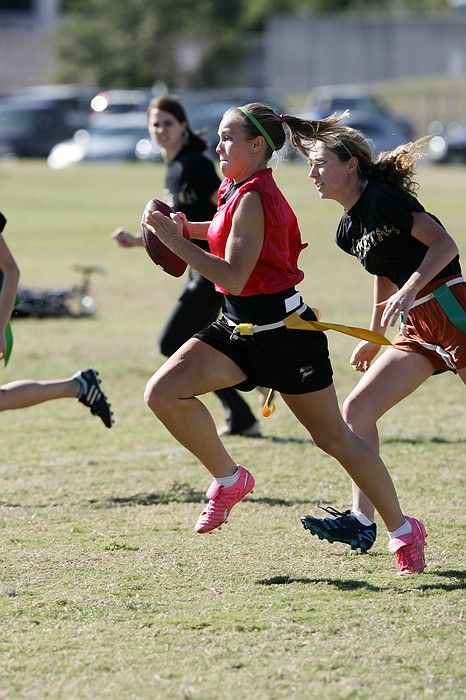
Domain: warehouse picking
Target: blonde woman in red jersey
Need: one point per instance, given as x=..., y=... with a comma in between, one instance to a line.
x=255, y=244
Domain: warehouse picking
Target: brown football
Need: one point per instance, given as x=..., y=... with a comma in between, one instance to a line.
x=158, y=251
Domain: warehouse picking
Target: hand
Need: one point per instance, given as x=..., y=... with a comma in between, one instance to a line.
x=363, y=354
x=125, y=239
x=184, y=220
x=394, y=306
x=164, y=228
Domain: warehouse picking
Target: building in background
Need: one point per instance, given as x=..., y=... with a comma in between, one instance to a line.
x=422, y=57
x=27, y=56
x=304, y=50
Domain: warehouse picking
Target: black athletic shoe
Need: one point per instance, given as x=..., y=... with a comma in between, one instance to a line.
x=93, y=397
x=341, y=527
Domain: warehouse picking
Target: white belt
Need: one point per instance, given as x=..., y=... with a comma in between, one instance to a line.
x=293, y=302
x=428, y=297
x=266, y=326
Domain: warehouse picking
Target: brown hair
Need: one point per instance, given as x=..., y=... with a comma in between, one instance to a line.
x=396, y=166
x=170, y=104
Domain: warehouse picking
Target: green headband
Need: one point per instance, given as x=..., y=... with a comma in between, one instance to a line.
x=258, y=126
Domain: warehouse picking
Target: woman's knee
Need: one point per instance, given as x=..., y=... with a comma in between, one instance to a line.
x=332, y=441
x=155, y=395
x=356, y=411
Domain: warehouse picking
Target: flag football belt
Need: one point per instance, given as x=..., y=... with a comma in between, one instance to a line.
x=8, y=343
x=295, y=322
x=448, y=302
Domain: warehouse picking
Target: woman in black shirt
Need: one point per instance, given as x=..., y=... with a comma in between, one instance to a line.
x=417, y=279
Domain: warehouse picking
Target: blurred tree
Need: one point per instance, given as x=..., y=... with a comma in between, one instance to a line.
x=134, y=43
x=125, y=43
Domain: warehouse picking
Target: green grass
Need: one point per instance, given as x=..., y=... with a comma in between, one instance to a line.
x=106, y=591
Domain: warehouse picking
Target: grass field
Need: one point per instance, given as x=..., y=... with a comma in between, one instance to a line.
x=106, y=591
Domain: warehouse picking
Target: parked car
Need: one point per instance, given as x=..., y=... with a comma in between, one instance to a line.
x=30, y=125
x=117, y=138
x=328, y=99
x=120, y=101
x=376, y=128
x=450, y=145
x=74, y=99
x=193, y=99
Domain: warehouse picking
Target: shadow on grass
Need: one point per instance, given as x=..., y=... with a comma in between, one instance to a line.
x=458, y=582
x=181, y=492
x=277, y=439
x=422, y=441
x=342, y=585
x=185, y=494
x=288, y=440
x=178, y=493
x=267, y=501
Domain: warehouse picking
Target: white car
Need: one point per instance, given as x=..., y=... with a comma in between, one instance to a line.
x=113, y=138
x=449, y=146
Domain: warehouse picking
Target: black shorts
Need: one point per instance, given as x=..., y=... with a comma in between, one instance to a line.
x=289, y=361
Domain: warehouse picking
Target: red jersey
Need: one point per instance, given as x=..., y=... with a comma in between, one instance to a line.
x=277, y=266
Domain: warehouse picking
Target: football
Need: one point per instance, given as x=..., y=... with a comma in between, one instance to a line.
x=158, y=251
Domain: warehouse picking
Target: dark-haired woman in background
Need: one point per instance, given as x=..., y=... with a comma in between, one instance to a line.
x=191, y=185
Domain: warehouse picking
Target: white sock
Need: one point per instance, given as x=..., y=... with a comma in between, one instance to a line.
x=403, y=530
x=363, y=519
x=82, y=385
x=228, y=480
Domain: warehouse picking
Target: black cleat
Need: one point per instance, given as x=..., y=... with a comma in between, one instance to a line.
x=341, y=527
x=93, y=397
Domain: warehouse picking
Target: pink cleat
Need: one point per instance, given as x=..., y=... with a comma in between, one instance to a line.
x=409, y=549
x=221, y=501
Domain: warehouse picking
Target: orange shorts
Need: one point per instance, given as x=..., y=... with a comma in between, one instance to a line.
x=428, y=323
